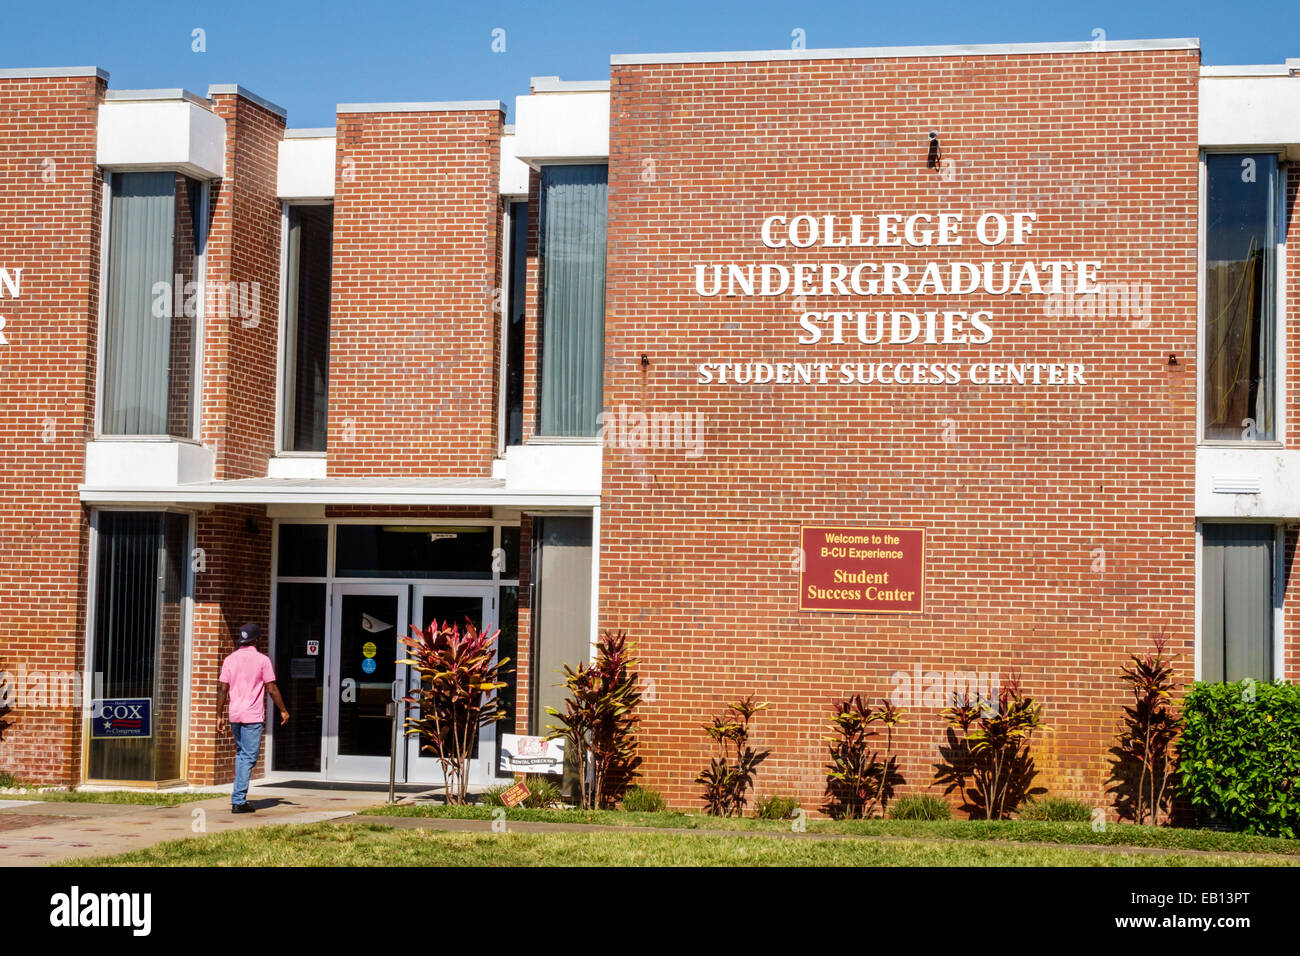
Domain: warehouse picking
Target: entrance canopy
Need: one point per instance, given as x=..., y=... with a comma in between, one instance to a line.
x=343, y=491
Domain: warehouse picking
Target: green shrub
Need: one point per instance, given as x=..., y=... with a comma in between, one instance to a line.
x=543, y=793
x=1056, y=810
x=775, y=807
x=1239, y=757
x=919, y=806
x=643, y=800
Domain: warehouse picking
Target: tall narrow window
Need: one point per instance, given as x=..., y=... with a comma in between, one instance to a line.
x=1240, y=296
x=514, y=331
x=141, y=586
x=572, y=248
x=1236, y=601
x=307, y=327
x=152, y=304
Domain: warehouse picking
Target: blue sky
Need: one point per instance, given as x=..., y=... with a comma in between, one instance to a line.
x=307, y=57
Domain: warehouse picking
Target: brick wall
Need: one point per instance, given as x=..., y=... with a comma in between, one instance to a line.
x=413, y=333
x=1060, y=520
x=49, y=227
x=234, y=588
x=243, y=291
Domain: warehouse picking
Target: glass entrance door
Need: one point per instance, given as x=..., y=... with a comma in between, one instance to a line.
x=453, y=604
x=366, y=623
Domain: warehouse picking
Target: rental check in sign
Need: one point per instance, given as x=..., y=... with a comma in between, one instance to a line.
x=870, y=570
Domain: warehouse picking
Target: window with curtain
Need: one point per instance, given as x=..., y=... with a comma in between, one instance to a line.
x=517, y=266
x=141, y=585
x=1240, y=295
x=1237, y=602
x=571, y=221
x=307, y=327
x=152, y=305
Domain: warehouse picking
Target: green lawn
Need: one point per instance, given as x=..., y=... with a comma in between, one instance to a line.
x=373, y=844
x=148, y=798
x=1029, y=831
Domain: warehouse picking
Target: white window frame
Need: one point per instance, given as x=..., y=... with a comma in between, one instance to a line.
x=1279, y=312
x=200, y=319
x=185, y=681
x=1279, y=596
x=282, y=333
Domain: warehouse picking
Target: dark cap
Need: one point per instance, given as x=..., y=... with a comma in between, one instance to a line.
x=248, y=634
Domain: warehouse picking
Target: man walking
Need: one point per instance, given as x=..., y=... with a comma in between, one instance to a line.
x=245, y=674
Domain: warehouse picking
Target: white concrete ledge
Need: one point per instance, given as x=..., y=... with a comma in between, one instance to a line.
x=161, y=133
x=562, y=128
x=297, y=466
x=513, y=179
x=894, y=52
x=146, y=462
x=305, y=168
x=552, y=465
x=1239, y=481
x=1250, y=111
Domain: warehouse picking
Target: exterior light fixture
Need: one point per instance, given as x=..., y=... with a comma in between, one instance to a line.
x=936, y=153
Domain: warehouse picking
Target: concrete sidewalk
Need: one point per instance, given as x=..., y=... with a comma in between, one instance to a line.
x=37, y=833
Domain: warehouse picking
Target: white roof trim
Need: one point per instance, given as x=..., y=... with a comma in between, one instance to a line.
x=320, y=132
x=892, y=52
x=52, y=72
x=449, y=106
x=155, y=96
x=553, y=84
x=249, y=95
x=1266, y=69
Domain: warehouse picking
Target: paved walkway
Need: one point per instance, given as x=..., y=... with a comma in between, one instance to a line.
x=36, y=833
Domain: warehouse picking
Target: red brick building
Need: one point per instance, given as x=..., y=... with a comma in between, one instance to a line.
x=881, y=371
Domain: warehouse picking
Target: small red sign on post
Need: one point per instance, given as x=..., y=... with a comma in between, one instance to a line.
x=515, y=795
x=870, y=570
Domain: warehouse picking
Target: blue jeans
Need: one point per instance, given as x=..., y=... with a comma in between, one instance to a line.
x=248, y=738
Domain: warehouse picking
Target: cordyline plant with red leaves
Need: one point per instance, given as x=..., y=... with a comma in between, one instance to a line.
x=989, y=764
x=457, y=695
x=730, y=775
x=7, y=693
x=860, y=776
x=1144, y=761
x=598, y=724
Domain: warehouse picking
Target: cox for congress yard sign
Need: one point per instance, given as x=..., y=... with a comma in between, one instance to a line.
x=874, y=570
x=122, y=717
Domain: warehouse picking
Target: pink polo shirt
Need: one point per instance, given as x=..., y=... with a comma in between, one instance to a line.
x=247, y=671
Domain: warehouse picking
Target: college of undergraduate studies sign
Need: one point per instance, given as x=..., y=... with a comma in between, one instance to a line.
x=865, y=570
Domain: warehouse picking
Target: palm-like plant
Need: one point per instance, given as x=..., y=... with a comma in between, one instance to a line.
x=1144, y=761
x=729, y=776
x=992, y=753
x=598, y=722
x=859, y=776
x=456, y=697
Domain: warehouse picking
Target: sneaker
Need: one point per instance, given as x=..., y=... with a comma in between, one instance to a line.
x=241, y=808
